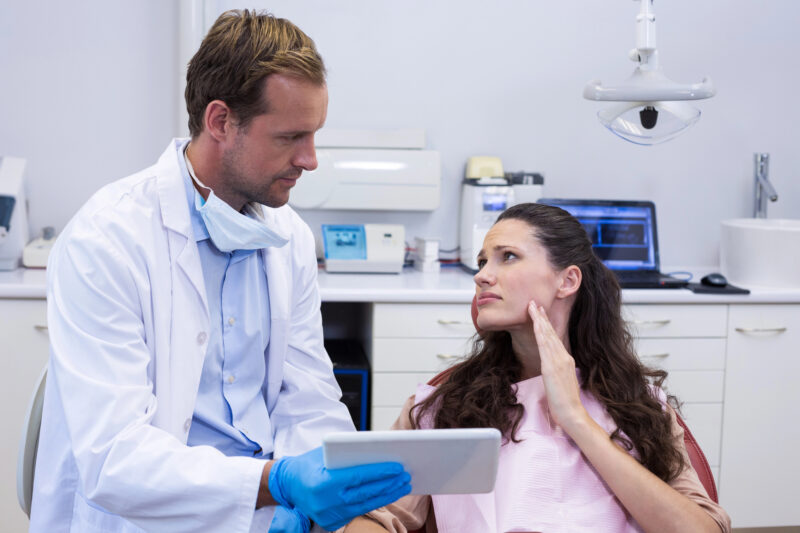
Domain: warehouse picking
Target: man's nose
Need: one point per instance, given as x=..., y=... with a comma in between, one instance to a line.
x=306, y=156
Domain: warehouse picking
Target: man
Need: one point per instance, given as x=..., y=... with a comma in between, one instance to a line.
x=185, y=326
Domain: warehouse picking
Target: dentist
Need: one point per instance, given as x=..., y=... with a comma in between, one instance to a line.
x=188, y=388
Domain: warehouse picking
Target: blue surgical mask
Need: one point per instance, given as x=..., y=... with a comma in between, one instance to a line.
x=229, y=229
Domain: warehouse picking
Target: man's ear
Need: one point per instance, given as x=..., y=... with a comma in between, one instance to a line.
x=571, y=278
x=218, y=120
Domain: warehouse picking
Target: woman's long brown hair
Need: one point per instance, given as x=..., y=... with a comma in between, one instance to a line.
x=480, y=391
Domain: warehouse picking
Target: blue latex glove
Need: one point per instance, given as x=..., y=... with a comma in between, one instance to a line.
x=289, y=521
x=332, y=498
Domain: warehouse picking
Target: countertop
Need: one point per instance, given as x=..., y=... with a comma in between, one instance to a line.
x=451, y=285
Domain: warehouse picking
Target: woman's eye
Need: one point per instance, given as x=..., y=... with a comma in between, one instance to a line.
x=481, y=262
x=509, y=255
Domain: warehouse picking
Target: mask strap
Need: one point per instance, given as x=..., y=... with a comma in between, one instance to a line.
x=190, y=168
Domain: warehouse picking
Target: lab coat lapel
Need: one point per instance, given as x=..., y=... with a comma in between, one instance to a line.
x=277, y=262
x=175, y=214
x=190, y=320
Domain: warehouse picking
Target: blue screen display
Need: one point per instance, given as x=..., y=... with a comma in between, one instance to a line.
x=494, y=202
x=344, y=241
x=622, y=236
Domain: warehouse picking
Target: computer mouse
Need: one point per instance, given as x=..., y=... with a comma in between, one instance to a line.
x=715, y=279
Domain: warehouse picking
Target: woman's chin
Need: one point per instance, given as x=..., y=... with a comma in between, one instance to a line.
x=500, y=323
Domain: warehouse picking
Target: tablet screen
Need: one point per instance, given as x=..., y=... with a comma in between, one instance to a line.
x=440, y=461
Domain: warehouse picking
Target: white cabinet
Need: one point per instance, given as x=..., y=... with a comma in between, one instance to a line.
x=24, y=350
x=411, y=343
x=688, y=341
x=761, y=429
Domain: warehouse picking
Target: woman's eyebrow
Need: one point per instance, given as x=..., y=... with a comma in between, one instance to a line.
x=504, y=246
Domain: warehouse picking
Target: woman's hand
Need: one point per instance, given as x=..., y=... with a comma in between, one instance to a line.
x=558, y=372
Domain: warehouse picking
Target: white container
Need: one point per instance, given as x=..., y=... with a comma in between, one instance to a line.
x=759, y=252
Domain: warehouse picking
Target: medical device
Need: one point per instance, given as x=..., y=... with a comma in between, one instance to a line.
x=13, y=212
x=374, y=170
x=440, y=461
x=37, y=251
x=650, y=108
x=367, y=248
x=485, y=193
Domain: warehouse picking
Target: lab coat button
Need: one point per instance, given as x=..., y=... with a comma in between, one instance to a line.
x=231, y=379
x=201, y=337
x=187, y=425
x=231, y=321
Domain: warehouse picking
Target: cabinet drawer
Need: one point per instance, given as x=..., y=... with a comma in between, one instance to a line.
x=696, y=385
x=682, y=354
x=416, y=355
x=422, y=320
x=676, y=320
x=392, y=389
x=705, y=422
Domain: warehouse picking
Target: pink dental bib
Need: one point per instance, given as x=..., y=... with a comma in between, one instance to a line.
x=544, y=483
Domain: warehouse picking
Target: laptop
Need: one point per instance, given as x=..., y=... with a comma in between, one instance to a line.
x=624, y=236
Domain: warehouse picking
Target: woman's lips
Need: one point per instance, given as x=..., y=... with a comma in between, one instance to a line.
x=485, y=298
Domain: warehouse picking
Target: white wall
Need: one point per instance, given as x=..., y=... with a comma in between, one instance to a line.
x=88, y=95
x=506, y=79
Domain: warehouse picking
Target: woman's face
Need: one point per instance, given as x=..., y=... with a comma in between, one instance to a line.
x=514, y=269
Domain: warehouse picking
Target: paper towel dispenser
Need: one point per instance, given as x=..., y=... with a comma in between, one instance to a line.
x=371, y=170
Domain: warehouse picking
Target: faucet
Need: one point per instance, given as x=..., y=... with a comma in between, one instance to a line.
x=763, y=188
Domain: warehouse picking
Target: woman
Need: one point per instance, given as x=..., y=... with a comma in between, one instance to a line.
x=590, y=443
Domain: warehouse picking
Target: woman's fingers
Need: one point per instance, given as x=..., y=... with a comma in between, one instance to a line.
x=546, y=337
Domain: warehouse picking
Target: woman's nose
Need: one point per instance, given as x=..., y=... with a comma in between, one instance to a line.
x=483, y=277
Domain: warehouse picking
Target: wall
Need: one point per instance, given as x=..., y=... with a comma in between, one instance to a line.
x=86, y=95
x=89, y=95
x=506, y=79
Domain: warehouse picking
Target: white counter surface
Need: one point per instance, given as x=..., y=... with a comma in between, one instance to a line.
x=450, y=285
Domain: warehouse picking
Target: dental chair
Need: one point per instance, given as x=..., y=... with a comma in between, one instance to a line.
x=696, y=456
x=29, y=442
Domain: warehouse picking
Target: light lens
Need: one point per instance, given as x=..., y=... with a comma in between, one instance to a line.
x=625, y=120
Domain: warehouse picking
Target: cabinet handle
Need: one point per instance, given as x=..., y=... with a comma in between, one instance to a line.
x=657, y=323
x=656, y=355
x=447, y=356
x=760, y=330
x=451, y=322
x=40, y=327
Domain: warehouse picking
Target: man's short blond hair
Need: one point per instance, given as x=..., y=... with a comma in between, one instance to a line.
x=241, y=49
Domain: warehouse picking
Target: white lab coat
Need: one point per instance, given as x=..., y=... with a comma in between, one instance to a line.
x=128, y=322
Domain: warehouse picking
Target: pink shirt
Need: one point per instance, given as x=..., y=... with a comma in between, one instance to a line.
x=543, y=482
x=535, y=483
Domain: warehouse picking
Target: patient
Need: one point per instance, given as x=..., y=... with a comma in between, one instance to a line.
x=590, y=442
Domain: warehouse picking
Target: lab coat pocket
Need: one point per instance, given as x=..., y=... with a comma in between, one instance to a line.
x=88, y=518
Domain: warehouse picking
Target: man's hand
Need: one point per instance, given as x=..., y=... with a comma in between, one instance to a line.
x=332, y=498
x=289, y=521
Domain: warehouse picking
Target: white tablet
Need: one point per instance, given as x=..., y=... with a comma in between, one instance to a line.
x=440, y=461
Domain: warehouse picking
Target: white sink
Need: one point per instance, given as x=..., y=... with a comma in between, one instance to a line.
x=761, y=252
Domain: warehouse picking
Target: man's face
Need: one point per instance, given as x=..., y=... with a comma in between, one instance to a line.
x=269, y=154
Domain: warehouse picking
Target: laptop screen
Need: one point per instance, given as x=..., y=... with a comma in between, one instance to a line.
x=623, y=232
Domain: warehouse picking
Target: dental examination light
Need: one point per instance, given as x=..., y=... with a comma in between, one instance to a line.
x=650, y=107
